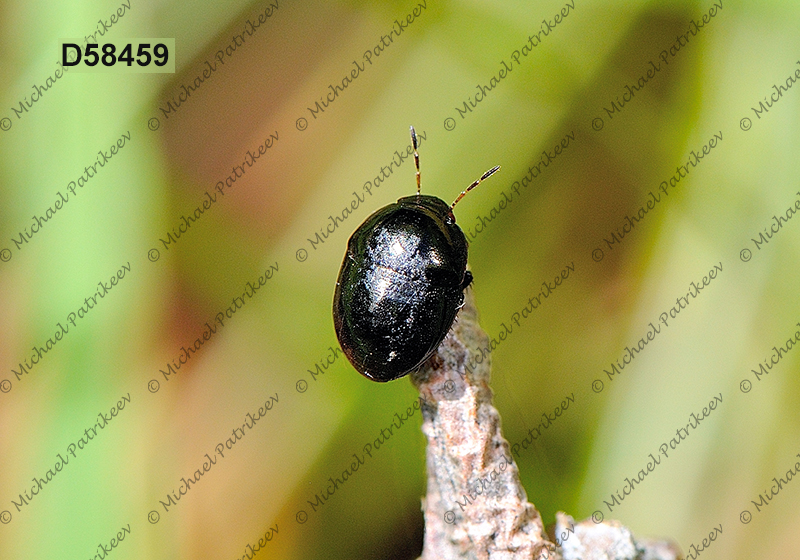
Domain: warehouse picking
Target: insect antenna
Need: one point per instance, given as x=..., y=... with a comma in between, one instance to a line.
x=475, y=184
x=416, y=155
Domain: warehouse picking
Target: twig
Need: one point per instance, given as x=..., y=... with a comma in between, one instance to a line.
x=476, y=507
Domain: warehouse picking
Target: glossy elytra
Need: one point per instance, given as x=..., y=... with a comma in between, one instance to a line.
x=401, y=283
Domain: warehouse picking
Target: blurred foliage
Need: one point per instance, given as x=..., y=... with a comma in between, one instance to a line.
x=279, y=336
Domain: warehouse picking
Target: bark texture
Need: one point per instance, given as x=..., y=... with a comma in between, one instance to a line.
x=476, y=507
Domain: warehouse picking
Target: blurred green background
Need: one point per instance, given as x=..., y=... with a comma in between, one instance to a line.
x=267, y=216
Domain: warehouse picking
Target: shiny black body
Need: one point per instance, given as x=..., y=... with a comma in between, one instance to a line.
x=400, y=286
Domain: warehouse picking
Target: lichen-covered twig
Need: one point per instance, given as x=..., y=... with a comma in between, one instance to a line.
x=476, y=507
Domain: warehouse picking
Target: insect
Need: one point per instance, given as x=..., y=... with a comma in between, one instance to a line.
x=401, y=283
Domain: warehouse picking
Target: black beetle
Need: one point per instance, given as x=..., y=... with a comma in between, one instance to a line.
x=401, y=283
